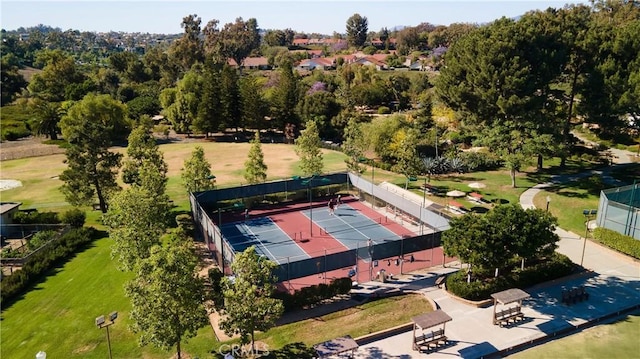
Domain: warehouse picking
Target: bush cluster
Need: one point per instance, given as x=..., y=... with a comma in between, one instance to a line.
x=35, y=217
x=312, y=295
x=480, y=161
x=617, y=241
x=556, y=266
x=40, y=239
x=39, y=263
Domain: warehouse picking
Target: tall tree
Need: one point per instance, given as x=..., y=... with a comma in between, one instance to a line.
x=142, y=148
x=354, y=145
x=188, y=49
x=196, y=174
x=253, y=104
x=284, y=98
x=166, y=295
x=255, y=170
x=92, y=168
x=407, y=160
x=136, y=220
x=248, y=306
x=235, y=41
x=357, y=29
x=210, y=117
x=497, y=77
x=230, y=102
x=308, y=149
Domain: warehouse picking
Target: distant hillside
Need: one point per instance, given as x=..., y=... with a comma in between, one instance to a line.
x=28, y=72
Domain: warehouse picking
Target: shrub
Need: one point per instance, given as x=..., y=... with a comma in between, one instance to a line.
x=384, y=110
x=617, y=241
x=312, y=295
x=35, y=217
x=556, y=266
x=480, y=161
x=73, y=217
x=39, y=239
x=55, y=254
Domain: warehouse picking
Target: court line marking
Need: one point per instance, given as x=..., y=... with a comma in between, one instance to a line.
x=262, y=244
x=291, y=239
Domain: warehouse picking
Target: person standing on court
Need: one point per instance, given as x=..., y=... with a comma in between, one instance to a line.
x=338, y=202
x=331, y=207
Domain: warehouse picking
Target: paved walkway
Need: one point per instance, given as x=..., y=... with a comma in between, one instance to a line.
x=612, y=280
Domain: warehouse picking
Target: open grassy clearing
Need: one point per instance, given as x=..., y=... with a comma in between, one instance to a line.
x=357, y=321
x=612, y=340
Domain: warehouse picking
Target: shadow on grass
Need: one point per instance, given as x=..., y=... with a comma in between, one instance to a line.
x=56, y=266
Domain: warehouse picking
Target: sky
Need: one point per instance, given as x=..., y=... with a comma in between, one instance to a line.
x=308, y=16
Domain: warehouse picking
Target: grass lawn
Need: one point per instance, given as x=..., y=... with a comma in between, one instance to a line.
x=357, y=321
x=612, y=340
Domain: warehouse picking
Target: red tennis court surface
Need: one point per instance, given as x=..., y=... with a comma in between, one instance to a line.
x=294, y=221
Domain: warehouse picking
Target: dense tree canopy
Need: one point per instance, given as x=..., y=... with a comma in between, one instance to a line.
x=89, y=127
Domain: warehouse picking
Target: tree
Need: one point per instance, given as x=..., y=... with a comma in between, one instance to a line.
x=142, y=148
x=47, y=116
x=308, y=149
x=284, y=98
x=92, y=168
x=354, y=145
x=181, y=103
x=236, y=40
x=59, y=73
x=210, y=117
x=196, y=174
x=505, y=233
x=407, y=160
x=255, y=170
x=12, y=81
x=136, y=220
x=248, y=306
x=166, y=295
x=188, y=49
x=253, y=104
x=498, y=77
x=357, y=29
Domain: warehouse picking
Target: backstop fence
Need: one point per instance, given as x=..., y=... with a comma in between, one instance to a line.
x=290, y=268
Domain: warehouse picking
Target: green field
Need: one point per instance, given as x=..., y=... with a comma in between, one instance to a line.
x=611, y=340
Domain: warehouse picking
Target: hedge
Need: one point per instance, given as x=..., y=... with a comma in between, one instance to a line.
x=313, y=295
x=618, y=241
x=555, y=267
x=39, y=263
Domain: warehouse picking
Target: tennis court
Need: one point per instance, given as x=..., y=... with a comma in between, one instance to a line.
x=269, y=239
x=346, y=229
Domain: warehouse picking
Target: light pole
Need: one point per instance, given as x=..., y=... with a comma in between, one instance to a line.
x=308, y=183
x=424, y=201
x=101, y=322
x=548, y=201
x=588, y=213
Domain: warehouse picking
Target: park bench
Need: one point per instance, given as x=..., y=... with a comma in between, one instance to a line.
x=574, y=295
x=507, y=315
x=429, y=338
x=440, y=281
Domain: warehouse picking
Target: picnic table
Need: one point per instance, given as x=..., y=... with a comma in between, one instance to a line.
x=475, y=197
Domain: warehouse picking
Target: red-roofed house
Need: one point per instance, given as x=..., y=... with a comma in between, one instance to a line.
x=371, y=61
x=252, y=63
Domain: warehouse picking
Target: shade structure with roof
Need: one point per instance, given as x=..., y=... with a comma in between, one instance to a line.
x=432, y=326
x=335, y=347
x=505, y=298
x=456, y=193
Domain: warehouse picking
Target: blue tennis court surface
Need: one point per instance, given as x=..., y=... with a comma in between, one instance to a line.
x=352, y=228
x=266, y=236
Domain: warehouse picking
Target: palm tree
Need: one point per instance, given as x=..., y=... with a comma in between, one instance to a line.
x=47, y=115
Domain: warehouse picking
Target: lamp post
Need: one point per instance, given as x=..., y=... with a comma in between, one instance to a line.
x=548, y=201
x=588, y=214
x=101, y=322
x=424, y=201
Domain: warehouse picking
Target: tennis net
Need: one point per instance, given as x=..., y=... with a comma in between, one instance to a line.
x=350, y=226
